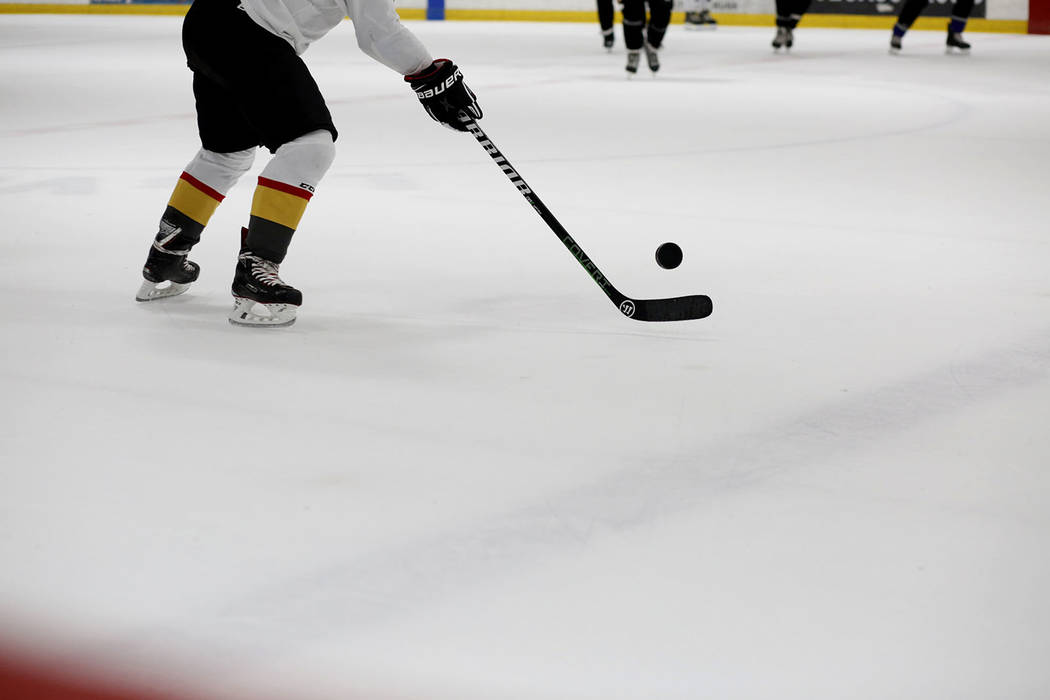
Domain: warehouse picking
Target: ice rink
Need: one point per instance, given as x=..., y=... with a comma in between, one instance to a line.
x=463, y=474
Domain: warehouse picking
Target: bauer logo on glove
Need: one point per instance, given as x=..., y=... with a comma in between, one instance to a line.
x=443, y=94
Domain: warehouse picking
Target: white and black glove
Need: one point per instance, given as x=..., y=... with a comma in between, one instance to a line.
x=443, y=94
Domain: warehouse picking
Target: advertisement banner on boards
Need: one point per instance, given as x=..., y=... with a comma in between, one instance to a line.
x=888, y=8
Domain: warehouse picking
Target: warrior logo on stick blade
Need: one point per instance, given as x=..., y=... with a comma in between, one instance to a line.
x=627, y=308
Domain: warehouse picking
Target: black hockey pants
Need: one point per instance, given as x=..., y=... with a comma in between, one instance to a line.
x=635, y=32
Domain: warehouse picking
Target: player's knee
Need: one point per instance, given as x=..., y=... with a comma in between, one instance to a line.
x=303, y=160
x=315, y=150
x=237, y=161
x=221, y=170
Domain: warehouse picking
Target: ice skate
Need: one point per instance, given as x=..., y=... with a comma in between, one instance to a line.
x=955, y=41
x=784, y=39
x=652, y=57
x=260, y=297
x=633, y=58
x=167, y=273
x=895, y=44
x=607, y=39
x=700, y=20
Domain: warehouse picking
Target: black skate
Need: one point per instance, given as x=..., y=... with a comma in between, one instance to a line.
x=166, y=273
x=784, y=38
x=700, y=20
x=260, y=296
x=652, y=57
x=633, y=58
x=955, y=41
x=895, y=43
x=607, y=39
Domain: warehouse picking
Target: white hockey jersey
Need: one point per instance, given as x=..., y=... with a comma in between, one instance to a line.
x=379, y=31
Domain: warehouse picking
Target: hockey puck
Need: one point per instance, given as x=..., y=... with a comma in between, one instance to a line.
x=669, y=256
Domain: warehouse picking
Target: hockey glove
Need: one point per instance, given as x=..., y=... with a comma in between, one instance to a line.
x=443, y=94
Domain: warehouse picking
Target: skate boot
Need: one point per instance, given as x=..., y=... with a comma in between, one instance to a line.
x=784, y=38
x=652, y=57
x=955, y=41
x=167, y=272
x=607, y=39
x=895, y=43
x=700, y=20
x=260, y=296
x=633, y=57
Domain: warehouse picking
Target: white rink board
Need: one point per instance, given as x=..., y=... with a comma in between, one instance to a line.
x=997, y=9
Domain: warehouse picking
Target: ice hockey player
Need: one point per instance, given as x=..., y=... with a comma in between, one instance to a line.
x=253, y=89
x=910, y=11
x=698, y=14
x=789, y=12
x=637, y=35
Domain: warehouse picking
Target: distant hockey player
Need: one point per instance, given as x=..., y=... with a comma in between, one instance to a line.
x=605, y=21
x=698, y=14
x=910, y=11
x=637, y=35
x=252, y=89
x=789, y=12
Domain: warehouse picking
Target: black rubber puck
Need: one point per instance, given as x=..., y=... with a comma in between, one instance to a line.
x=669, y=256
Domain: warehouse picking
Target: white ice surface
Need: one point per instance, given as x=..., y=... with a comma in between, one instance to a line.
x=463, y=474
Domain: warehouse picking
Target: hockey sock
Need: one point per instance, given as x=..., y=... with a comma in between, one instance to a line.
x=198, y=193
x=188, y=211
x=957, y=24
x=899, y=29
x=285, y=187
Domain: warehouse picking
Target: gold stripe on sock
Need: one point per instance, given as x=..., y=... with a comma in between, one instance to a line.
x=193, y=201
x=280, y=203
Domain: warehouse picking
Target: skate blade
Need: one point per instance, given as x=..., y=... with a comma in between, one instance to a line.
x=255, y=315
x=151, y=291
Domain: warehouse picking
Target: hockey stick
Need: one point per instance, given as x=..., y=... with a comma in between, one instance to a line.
x=671, y=309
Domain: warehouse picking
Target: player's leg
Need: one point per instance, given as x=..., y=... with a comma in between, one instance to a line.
x=227, y=152
x=285, y=187
x=960, y=15
x=286, y=108
x=200, y=189
x=605, y=21
x=910, y=11
x=659, y=19
x=633, y=32
x=789, y=13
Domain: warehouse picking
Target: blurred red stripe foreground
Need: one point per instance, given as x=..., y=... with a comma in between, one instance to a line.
x=25, y=679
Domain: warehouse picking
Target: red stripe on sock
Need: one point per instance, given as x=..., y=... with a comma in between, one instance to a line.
x=286, y=188
x=214, y=194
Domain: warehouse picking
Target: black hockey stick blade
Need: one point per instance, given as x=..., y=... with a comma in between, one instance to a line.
x=672, y=309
